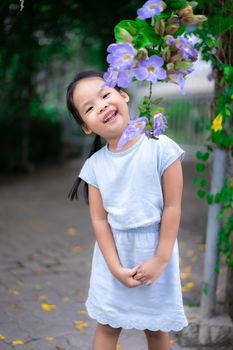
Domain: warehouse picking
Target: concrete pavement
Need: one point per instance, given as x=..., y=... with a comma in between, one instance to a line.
x=46, y=246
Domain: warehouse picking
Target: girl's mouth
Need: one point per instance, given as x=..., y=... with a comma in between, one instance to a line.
x=111, y=118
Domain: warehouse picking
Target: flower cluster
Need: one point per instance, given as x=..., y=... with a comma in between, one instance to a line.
x=152, y=52
x=122, y=66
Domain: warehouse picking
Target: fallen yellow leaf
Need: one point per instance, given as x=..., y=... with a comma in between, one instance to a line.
x=187, y=287
x=19, y=282
x=80, y=325
x=190, y=318
x=173, y=341
x=49, y=338
x=190, y=253
x=82, y=312
x=66, y=299
x=190, y=284
x=184, y=275
x=2, y=337
x=71, y=231
x=43, y=297
x=13, y=292
x=48, y=307
x=201, y=247
x=187, y=268
x=118, y=345
x=18, y=342
x=15, y=306
x=75, y=249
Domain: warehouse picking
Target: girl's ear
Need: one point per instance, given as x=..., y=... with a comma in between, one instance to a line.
x=86, y=129
x=124, y=95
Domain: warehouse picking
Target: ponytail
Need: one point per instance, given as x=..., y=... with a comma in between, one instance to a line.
x=96, y=146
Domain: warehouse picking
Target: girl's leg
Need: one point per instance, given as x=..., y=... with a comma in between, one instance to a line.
x=105, y=337
x=157, y=340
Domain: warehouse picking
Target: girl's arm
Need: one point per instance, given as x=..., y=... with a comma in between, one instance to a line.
x=172, y=185
x=105, y=239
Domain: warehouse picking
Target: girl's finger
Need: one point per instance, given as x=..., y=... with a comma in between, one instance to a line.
x=138, y=276
x=149, y=282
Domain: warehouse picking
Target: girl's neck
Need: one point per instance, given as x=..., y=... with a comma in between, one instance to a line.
x=112, y=144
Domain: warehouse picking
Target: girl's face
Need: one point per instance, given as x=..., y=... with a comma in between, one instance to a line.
x=104, y=111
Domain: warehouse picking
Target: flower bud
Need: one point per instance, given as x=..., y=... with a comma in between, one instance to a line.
x=142, y=54
x=176, y=58
x=186, y=11
x=193, y=19
x=172, y=29
x=173, y=20
x=124, y=34
x=163, y=6
x=170, y=68
x=159, y=27
x=166, y=54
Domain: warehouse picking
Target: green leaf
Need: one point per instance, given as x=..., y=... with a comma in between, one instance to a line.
x=200, y=167
x=129, y=25
x=218, y=197
x=196, y=182
x=176, y=4
x=210, y=198
x=202, y=156
x=205, y=289
x=157, y=101
x=201, y=193
x=179, y=31
x=203, y=182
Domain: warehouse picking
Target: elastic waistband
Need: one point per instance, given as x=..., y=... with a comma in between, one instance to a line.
x=142, y=229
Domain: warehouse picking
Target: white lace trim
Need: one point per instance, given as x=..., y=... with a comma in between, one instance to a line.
x=175, y=324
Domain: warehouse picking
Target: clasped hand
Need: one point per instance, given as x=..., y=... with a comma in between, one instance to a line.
x=147, y=272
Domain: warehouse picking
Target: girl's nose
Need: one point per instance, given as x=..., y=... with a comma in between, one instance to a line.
x=102, y=108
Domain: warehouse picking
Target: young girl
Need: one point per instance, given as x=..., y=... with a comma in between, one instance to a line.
x=134, y=197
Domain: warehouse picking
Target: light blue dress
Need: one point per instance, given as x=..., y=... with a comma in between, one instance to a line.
x=130, y=186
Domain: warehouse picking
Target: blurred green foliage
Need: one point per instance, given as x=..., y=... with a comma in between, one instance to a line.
x=32, y=41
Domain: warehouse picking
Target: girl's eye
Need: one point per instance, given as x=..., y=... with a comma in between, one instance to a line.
x=88, y=110
x=106, y=94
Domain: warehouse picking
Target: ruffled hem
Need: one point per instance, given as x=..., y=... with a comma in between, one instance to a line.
x=175, y=326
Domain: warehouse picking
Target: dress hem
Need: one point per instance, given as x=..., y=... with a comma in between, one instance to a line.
x=122, y=324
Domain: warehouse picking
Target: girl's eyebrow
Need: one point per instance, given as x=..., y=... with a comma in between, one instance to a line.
x=88, y=101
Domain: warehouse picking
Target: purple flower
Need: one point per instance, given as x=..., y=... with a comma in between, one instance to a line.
x=186, y=47
x=170, y=40
x=178, y=78
x=150, y=69
x=114, y=76
x=149, y=9
x=124, y=78
x=159, y=124
x=120, y=55
x=181, y=82
x=110, y=77
x=134, y=128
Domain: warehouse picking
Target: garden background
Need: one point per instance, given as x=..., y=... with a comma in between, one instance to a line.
x=46, y=240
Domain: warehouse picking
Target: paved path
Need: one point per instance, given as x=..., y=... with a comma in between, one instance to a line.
x=46, y=247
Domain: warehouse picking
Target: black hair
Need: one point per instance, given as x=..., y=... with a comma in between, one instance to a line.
x=96, y=145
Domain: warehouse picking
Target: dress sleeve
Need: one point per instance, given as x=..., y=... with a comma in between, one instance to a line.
x=170, y=151
x=87, y=173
